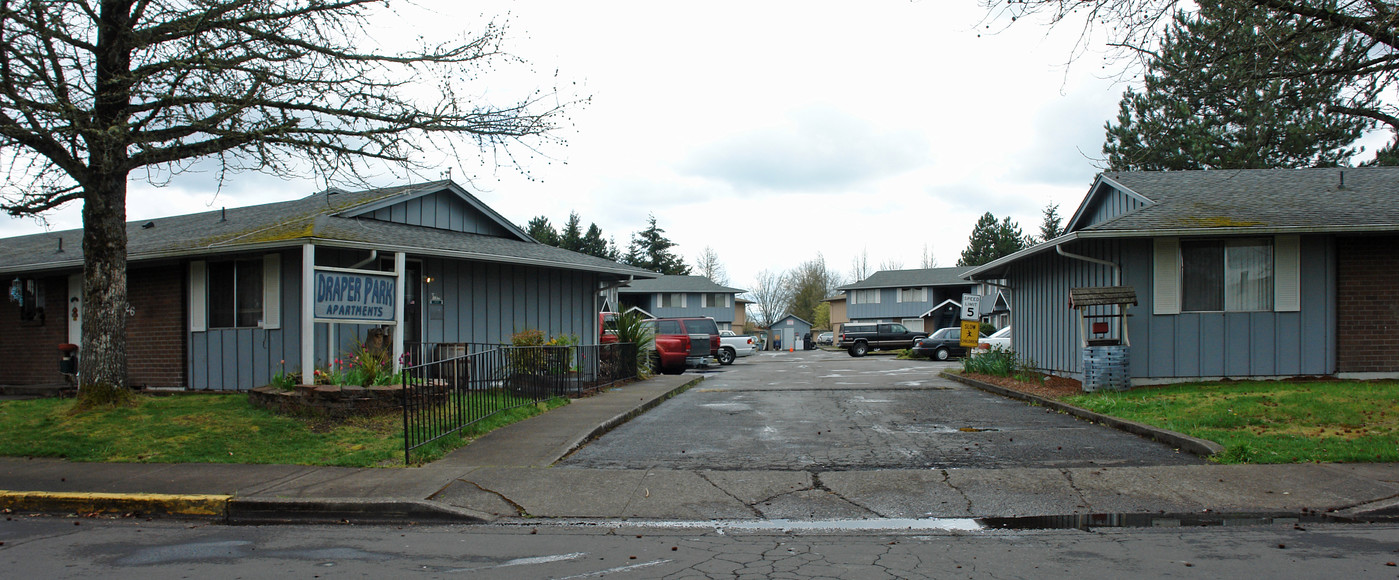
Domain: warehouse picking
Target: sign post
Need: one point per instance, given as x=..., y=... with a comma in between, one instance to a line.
x=971, y=320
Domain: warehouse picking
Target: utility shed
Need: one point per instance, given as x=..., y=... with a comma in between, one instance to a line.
x=788, y=333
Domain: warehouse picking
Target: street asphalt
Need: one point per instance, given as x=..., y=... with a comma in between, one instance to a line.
x=511, y=474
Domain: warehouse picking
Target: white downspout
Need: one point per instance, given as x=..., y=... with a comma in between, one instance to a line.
x=1116, y=270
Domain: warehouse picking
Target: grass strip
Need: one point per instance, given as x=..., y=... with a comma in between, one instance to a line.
x=218, y=428
x=1269, y=421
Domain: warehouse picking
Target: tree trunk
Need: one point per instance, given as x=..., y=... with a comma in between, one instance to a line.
x=102, y=362
x=105, y=310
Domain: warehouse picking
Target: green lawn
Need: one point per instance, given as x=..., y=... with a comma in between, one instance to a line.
x=1270, y=422
x=216, y=429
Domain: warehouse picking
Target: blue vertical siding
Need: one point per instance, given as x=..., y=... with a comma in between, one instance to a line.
x=230, y=359
x=1186, y=345
x=489, y=303
x=889, y=308
x=1110, y=203
x=481, y=302
x=693, y=300
x=443, y=210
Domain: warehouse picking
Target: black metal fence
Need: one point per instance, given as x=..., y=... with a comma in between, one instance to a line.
x=447, y=387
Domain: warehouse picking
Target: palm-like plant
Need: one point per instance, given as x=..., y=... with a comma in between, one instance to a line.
x=632, y=328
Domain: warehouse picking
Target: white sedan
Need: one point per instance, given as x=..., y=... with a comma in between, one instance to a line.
x=999, y=339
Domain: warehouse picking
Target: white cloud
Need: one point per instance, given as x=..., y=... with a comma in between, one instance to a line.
x=821, y=149
x=767, y=131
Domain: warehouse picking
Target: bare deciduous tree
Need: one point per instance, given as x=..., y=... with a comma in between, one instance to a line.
x=929, y=260
x=707, y=264
x=808, y=285
x=92, y=91
x=771, y=294
x=860, y=266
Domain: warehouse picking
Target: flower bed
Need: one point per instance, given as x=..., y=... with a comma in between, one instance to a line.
x=330, y=400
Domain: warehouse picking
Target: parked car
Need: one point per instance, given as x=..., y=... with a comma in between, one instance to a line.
x=942, y=345
x=999, y=339
x=825, y=338
x=859, y=338
x=732, y=346
x=681, y=343
x=606, y=327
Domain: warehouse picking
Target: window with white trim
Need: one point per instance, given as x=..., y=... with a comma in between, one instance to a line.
x=1234, y=275
x=235, y=294
x=913, y=294
x=715, y=300
x=864, y=296
x=673, y=300
x=241, y=293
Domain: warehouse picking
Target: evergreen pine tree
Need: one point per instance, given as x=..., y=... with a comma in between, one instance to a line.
x=991, y=239
x=1217, y=95
x=650, y=250
x=1049, y=228
x=571, y=238
x=542, y=231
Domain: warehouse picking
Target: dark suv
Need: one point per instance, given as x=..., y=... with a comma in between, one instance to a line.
x=859, y=338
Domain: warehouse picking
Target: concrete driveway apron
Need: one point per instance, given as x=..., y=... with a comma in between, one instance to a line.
x=826, y=411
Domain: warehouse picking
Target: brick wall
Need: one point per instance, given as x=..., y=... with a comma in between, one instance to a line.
x=1367, y=296
x=29, y=351
x=156, y=333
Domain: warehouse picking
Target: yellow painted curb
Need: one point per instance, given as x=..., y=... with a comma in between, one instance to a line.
x=145, y=503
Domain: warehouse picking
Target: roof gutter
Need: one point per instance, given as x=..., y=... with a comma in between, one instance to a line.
x=1116, y=270
x=327, y=242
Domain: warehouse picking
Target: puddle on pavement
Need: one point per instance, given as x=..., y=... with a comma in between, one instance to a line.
x=1090, y=521
x=930, y=429
x=884, y=524
x=1065, y=522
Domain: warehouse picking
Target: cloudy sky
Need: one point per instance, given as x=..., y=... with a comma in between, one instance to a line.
x=769, y=131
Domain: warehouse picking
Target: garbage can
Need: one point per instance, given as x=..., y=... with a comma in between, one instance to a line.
x=68, y=359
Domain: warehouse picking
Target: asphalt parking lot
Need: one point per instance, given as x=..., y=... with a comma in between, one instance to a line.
x=826, y=411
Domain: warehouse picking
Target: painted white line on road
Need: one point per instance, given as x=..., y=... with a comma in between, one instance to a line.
x=618, y=569
x=527, y=561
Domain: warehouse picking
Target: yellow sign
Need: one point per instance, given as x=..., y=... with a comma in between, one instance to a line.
x=971, y=333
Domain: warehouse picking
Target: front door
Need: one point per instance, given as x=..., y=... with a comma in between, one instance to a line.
x=413, y=303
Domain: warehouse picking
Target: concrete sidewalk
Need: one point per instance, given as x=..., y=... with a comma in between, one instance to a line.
x=507, y=474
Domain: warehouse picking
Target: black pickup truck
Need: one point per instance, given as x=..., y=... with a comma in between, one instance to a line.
x=858, y=338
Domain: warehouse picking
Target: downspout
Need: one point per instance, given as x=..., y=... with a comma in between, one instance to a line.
x=1116, y=281
x=1116, y=270
x=618, y=284
x=373, y=255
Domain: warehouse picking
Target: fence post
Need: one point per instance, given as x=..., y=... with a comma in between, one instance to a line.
x=407, y=444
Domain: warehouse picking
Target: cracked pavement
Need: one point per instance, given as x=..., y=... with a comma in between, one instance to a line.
x=826, y=437
x=131, y=548
x=830, y=412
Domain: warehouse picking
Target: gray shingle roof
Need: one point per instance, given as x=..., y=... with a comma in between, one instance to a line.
x=1261, y=198
x=676, y=284
x=292, y=223
x=1239, y=202
x=911, y=278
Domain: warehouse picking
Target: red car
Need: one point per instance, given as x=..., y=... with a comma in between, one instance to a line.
x=606, y=327
x=682, y=343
